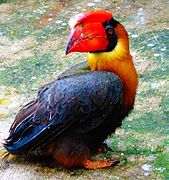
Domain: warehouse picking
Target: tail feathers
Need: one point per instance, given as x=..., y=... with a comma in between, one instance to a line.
x=21, y=126
x=26, y=141
x=22, y=120
x=30, y=129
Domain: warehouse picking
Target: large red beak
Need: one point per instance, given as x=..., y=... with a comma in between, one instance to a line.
x=90, y=37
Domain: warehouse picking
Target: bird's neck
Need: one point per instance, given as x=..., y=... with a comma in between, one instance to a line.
x=118, y=61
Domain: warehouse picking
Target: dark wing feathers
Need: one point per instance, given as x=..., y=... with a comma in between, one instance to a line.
x=85, y=100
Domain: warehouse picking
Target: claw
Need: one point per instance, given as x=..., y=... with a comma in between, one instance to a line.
x=6, y=155
x=3, y=154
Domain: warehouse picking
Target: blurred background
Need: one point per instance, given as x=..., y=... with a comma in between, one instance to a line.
x=33, y=36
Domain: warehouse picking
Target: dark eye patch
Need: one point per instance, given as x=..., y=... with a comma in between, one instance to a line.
x=110, y=26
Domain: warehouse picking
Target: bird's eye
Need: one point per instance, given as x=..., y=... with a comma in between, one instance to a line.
x=110, y=30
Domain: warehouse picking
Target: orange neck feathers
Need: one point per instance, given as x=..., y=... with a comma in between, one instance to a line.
x=120, y=62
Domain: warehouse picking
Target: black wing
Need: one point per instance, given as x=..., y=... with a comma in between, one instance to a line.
x=85, y=99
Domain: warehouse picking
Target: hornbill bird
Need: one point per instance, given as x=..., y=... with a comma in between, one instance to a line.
x=72, y=116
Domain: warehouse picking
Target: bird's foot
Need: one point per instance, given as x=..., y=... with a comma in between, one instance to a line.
x=104, y=148
x=88, y=164
x=6, y=155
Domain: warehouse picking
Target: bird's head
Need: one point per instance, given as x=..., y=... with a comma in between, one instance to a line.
x=94, y=31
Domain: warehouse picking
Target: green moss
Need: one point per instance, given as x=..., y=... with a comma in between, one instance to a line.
x=153, y=45
x=27, y=72
x=161, y=164
x=8, y=1
x=48, y=32
x=22, y=22
x=151, y=42
x=130, y=147
x=3, y=1
x=165, y=106
x=30, y=73
x=158, y=74
x=16, y=30
x=155, y=121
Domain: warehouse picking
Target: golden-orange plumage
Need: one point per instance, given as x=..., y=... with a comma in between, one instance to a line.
x=120, y=62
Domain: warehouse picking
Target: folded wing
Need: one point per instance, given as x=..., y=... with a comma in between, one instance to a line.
x=84, y=100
